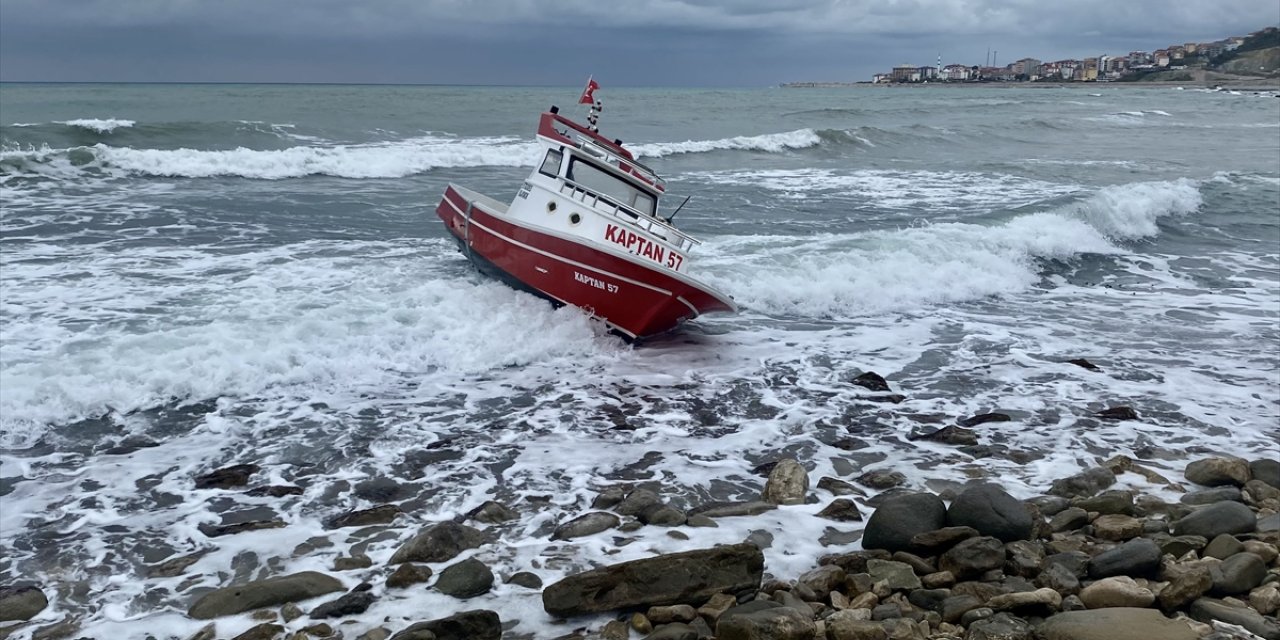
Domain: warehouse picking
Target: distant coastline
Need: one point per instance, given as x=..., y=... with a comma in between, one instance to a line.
x=1251, y=84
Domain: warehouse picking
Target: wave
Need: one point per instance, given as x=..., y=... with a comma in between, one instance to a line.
x=851, y=275
x=770, y=142
x=99, y=126
x=375, y=160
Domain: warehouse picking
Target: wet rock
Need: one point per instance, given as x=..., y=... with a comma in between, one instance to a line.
x=992, y=512
x=525, y=579
x=1114, y=624
x=21, y=602
x=663, y=515
x=1139, y=557
x=882, y=479
x=788, y=483
x=1266, y=470
x=1217, y=519
x=1113, y=502
x=841, y=510
x=955, y=607
x=408, y=574
x=732, y=509
x=1238, y=574
x=1210, y=609
x=480, y=624
x=1118, y=413
x=382, y=490
x=1116, y=591
x=822, y=580
x=357, y=561
x=973, y=557
x=1000, y=626
x=492, y=513
x=1081, y=362
x=1266, y=600
x=837, y=486
x=757, y=623
x=264, y=631
x=438, y=543
x=699, y=520
x=691, y=576
x=899, y=518
x=951, y=434
x=466, y=579
x=673, y=631
x=671, y=613
x=1084, y=484
x=586, y=525
x=1216, y=471
x=174, y=566
x=1049, y=505
x=217, y=531
x=872, y=380
x=609, y=498
x=983, y=418
x=381, y=514
x=227, y=477
x=1023, y=558
x=1268, y=552
x=274, y=491
x=1210, y=496
x=349, y=604
x=207, y=632
x=637, y=502
x=262, y=593
x=896, y=575
x=1043, y=599
x=1178, y=546
x=1060, y=579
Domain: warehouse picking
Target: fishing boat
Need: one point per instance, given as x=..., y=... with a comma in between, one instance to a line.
x=584, y=230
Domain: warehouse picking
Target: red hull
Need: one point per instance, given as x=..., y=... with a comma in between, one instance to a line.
x=636, y=299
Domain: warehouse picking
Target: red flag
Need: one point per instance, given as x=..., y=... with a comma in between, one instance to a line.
x=588, y=96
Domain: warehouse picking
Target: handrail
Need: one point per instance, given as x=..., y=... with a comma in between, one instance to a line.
x=638, y=168
x=647, y=222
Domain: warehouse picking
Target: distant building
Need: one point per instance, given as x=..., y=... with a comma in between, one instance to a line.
x=905, y=73
x=1139, y=58
x=1191, y=48
x=957, y=73
x=1029, y=68
x=1160, y=57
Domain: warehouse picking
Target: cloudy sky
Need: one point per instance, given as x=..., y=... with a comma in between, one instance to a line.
x=558, y=42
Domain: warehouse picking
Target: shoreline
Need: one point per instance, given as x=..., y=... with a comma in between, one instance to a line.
x=1235, y=85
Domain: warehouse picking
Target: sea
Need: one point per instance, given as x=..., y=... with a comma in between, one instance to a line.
x=199, y=276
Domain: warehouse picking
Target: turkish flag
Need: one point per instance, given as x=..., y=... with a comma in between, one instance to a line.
x=588, y=96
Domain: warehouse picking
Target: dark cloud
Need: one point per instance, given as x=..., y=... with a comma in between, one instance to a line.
x=640, y=42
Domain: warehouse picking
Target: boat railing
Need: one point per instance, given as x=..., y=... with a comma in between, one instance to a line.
x=637, y=168
x=653, y=225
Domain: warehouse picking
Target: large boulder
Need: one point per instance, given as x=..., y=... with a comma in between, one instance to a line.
x=1083, y=484
x=466, y=579
x=1138, y=557
x=901, y=517
x=1238, y=574
x=678, y=578
x=438, y=543
x=1210, y=609
x=262, y=593
x=973, y=557
x=21, y=602
x=993, y=512
x=1213, y=472
x=585, y=525
x=788, y=483
x=1120, y=623
x=1267, y=470
x=1217, y=519
x=480, y=624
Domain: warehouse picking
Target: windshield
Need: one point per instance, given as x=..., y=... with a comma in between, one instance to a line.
x=610, y=186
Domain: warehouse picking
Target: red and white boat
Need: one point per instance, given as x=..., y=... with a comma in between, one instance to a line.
x=584, y=230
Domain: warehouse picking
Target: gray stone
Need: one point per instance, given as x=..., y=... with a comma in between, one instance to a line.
x=1223, y=547
x=1069, y=520
x=899, y=518
x=21, y=602
x=845, y=625
x=1178, y=546
x=671, y=613
x=882, y=479
x=1116, y=591
x=1023, y=558
x=773, y=623
x=264, y=631
x=822, y=580
x=1114, y=624
x=1185, y=588
x=992, y=512
x=480, y=624
x=438, y=543
x=732, y=509
x=973, y=557
x=673, y=631
x=227, y=477
x=1117, y=527
x=1210, y=496
x=1044, y=599
x=1267, y=470
x=1216, y=471
x=837, y=486
x=525, y=579
x=788, y=483
x=1138, y=557
x=381, y=514
x=897, y=575
x=1210, y=609
x=939, y=540
x=691, y=576
x=662, y=515
x=408, y=574
x=1238, y=574
x=1059, y=578
x=1217, y=519
x=585, y=525
x=492, y=513
x=841, y=510
x=262, y=593
x=352, y=603
x=466, y=579
x=637, y=502
x=1000, y=626
x=1077, y=562
x=1050, y=505
x=1084, y=484
x=1113, y=502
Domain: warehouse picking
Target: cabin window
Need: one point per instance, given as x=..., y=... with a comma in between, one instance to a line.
x=551, y=165
x=610, y=186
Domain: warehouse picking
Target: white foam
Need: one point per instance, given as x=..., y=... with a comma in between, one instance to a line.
x=105, y=125
x=771, y=142
x=1130, y=211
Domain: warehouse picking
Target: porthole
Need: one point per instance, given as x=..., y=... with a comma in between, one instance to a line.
x=574, y=218
x=551, y=207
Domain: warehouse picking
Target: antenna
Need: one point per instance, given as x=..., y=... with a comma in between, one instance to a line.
x=682, y=204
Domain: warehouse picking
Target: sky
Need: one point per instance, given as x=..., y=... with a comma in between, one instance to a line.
x=706, y=43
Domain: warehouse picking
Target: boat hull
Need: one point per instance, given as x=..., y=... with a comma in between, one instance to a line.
x=635, y=299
